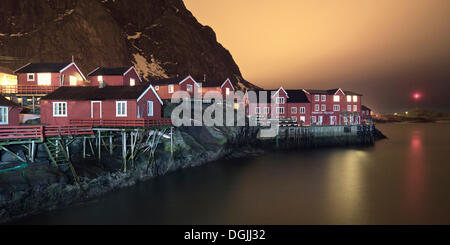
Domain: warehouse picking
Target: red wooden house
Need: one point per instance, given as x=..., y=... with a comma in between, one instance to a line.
x=334, y=107
x=168, y=86
x=107, y=106
x=225, y=88
x=42, y=78
x=366, y=114
x=9, y=112
x=114, y=76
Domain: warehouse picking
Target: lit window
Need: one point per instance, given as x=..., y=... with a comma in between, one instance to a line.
x=150, y=108
x=316, y=97
x=349, y=98
x=44, y=79
x=3, y=115
x=302, y=110
x=170, y=88
x=293, y=110
x=100, y=78
x=336, y=107
x=73, y=80
x=227, y=91
x=355, y=98
x=121, y=108
x=189, y=87
x=324, y=97
x=302, y=119
x=156, y=87
x=59, y=109
x=132, y=82
x=257, y=111
x=30, y=77
x=280, y=100
x=349, y=107
x=323, y=107
x=355, y=108
x=336, y=98
x=316, y=107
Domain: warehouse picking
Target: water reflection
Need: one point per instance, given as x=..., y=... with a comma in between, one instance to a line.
x=415, y=173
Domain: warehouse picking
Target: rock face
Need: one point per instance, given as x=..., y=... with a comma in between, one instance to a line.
x=160, y=37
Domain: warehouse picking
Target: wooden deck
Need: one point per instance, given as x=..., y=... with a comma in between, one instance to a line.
x=123, y=122
x=27, y=89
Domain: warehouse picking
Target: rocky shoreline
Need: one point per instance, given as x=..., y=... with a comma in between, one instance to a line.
x=43, y=189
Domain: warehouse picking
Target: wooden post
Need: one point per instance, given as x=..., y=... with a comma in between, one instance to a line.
x=110, y=145
x=171, y=141
x=84, y=147
x=33, y=103
x=124, y=151
x=33, y=150
x=99, y=146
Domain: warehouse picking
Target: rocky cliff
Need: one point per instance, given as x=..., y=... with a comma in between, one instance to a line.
x=160, y=37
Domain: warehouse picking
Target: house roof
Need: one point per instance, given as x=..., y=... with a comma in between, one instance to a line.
x=109, y=71
x=6, y=70
x=211, y=83
x=297, y=96
x=261, y=97
x=167, y=81
x=96, y=93
x=363, y=107
x=5, y=102
x=330, y=91
x=42, y=67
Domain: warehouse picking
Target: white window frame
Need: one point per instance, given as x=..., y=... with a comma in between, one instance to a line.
x=355, y=108
x=117, y=108
x=56, y=109
x=280, y=100
x=280, y=110
x=324, y=97
x=302, y=110
x=302, y=118
x=313, y=119
x=132, y=81
x=257, y=110
x=294, y=118
x=316, y=107
x=294, y=110
x=349, y=108
x=4, y=109
x=349, y=98
x=336, y=107
x=92, y=107
x=32, y=79
x=355, y=98
x=189, y=88
x=150, y=105
x=316, y=97
x=170, y=88
x=323, y=107
x=336, y=98
x=227, y=91
x=266, y=110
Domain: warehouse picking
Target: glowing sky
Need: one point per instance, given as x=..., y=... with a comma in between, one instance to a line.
x=385, y=49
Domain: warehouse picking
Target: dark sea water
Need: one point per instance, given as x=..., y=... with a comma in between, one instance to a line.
x=402, y=180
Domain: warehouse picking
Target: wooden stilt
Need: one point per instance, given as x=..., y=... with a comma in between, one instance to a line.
x=124, y=151
x=84, y=147
x=171, y=141
x=33, y=150
x=99, y=143
x=110, y=145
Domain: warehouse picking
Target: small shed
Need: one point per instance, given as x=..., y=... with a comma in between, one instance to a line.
x=9, y=112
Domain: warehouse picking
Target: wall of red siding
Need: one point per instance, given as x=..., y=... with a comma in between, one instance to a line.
x=55, y=77
x=117, y=80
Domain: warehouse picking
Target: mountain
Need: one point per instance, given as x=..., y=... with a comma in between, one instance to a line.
x=161, y=38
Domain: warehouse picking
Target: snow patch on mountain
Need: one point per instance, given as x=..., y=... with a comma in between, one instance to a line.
x=147, y=69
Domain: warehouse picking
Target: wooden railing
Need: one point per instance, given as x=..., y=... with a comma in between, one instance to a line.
x=27, y=89
x=123, y=122
x=39, y=131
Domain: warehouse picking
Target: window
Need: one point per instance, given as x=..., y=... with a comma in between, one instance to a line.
x=266, y=110
x=280, y=100
x=355, y=98
x=121, y=108
x=355, y=108
x=349, y=98
x=156, y=87
x=280, y=110
x=336, y=98
x=324, y=97
x=44, y=79
x=227, y=91
x=313, y=119
x=189, y=87
x=316, y=107
x=73, y=80
x=150, y=108
x=132, y=82
x=170, y=88
x=3, y=115
x=294, y=118
x=60, y=109
x=316, y=97
x=302, y=110
x=336, y=107
x=349, y=107
x=302, y=119
x=100, y=78
x=30, y=77
x=323, y=107
x=293, y=110
x=257, y=110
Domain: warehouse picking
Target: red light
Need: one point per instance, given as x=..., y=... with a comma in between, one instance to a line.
x=416, y=96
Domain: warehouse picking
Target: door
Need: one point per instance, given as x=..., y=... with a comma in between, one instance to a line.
x=332, y=120
x=96, y=109
x=320, y=120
